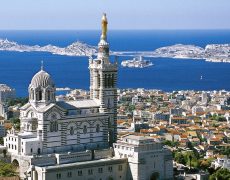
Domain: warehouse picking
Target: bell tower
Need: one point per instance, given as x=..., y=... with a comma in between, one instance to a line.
x=103, y=81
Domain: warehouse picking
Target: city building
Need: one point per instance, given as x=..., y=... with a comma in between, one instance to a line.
x=147, y=158
x=6, y=93
x=2, y=129
x=221, y=162
x=73, y=139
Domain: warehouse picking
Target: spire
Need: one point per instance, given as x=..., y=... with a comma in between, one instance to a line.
x=103, y=45
x=104, y=23
x=41, y=65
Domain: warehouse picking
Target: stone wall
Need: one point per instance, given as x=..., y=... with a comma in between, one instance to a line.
x=73, y=157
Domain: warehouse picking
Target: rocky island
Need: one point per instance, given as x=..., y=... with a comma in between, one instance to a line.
x=75, y=49
x=212, y=52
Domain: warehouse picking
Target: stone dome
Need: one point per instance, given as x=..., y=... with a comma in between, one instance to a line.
x=42, y=79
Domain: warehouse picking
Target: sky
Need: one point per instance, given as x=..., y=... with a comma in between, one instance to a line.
x=122, y=14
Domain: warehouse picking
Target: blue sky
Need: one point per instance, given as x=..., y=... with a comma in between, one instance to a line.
x=122, y=14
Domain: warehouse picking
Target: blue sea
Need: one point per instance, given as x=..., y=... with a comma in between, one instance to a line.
x=17, y=69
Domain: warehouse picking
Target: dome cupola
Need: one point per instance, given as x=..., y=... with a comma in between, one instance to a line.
x=42, y=88
x=42, y=79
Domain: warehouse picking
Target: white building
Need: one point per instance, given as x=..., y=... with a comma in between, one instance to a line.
x=146, y=158
x=221, y=162
x=72, y=139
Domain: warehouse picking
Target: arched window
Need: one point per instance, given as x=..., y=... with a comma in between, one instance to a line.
x=71, y=130
x=109, y=80
x=98, y=128
x=40, y=95
x=51, y=126
x=105, y=81
x=85, y=129
x=108, y=105
x=48, y=95
x=56, y=126
x=39, y=151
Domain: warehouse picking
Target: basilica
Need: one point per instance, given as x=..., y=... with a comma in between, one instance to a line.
x=77, y=139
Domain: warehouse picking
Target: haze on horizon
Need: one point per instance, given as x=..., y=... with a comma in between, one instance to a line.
x=122, y=14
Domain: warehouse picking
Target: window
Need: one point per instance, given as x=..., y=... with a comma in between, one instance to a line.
x=48, y=95
x=98, y=128
x=112, y=80
x=15, y=147
x=110, y=168
x=109, y=81
x=40, y=95
x=39, y=151
x=99, y=80
x=105, y=81
x=31, y=150
x=108, y=103
x=120, y=167
x=90, y=171
x=59, y=176
x=69, y=174
x=85, y=129
x=71, y=130
x=79, y=173
x=53, y=126
x=100, y=170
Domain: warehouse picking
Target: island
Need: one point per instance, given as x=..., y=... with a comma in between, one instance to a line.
x=136, y=63
x=211, y=52
x=75, y=49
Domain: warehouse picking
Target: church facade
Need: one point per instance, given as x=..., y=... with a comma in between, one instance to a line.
x=72, y=139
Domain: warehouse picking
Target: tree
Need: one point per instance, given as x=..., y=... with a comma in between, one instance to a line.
x=15, y=101
x=16, y=123
x=171, y=143
x=179, y=157
x=7, y=169
x=220, y=174
x=205, y=163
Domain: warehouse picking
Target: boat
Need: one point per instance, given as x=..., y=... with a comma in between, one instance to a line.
x=136, y=63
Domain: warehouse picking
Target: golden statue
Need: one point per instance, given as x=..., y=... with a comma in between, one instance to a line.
x=104, y=23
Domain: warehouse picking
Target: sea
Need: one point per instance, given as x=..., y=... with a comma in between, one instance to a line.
x=18, y=68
